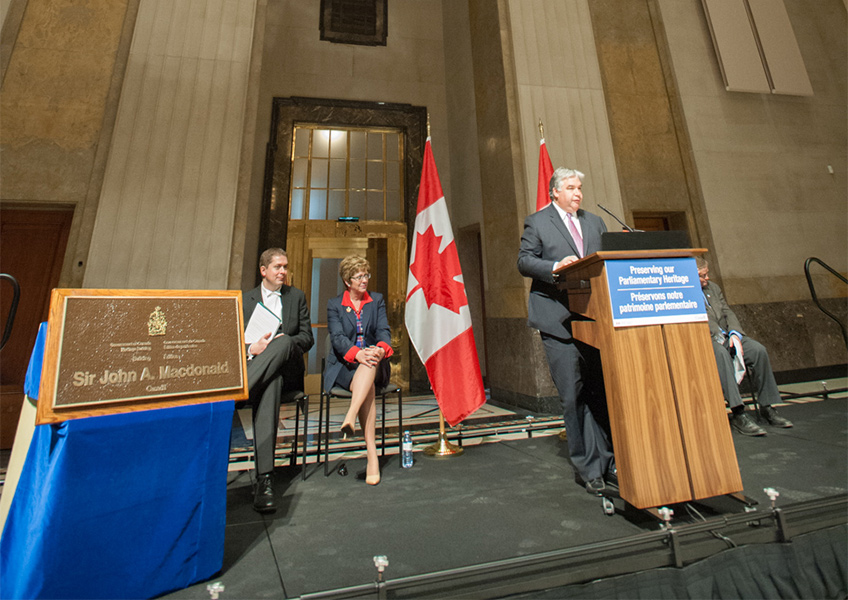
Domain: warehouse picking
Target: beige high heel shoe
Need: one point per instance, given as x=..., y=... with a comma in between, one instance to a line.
x=372, y=479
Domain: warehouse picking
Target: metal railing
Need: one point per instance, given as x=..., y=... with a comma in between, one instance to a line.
x=770, y=524
x=7, y=331
x=807, y=263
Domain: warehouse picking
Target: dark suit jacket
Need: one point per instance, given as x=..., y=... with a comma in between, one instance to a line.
x=545, y=241
x=296, y=324
x=341, y=325
x=718, y=312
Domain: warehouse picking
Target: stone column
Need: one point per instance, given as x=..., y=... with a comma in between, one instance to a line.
x=166, y=210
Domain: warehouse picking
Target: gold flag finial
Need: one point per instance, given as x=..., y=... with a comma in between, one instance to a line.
x=428, y=123
x=541, y=130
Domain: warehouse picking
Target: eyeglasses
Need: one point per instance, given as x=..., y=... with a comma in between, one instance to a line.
x=365, y=276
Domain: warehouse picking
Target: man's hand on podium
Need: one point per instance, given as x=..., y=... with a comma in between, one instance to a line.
x=565, y=261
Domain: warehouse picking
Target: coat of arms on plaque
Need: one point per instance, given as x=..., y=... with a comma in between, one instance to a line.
x=157, y=324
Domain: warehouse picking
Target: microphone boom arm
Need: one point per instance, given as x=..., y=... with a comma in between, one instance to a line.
x=623, y=224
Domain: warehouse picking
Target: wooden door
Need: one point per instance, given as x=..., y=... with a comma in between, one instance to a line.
x=32, y=248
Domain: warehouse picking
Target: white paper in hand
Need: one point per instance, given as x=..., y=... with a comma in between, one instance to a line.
x=738, y=369
x=262, y=321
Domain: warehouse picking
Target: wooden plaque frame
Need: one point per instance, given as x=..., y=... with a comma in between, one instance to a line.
x=50, y=410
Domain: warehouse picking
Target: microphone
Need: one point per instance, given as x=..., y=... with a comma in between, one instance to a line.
x=623, y=224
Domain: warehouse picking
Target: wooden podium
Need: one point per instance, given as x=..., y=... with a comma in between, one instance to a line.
x=669, y=425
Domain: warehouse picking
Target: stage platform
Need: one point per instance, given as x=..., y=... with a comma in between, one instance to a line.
x=507, y=519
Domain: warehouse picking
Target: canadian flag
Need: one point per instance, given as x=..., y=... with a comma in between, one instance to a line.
x=546, y=170
x=437, y=315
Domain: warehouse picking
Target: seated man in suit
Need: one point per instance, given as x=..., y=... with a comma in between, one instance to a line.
x=557, y=235
x=274, y=363
x=729, y=341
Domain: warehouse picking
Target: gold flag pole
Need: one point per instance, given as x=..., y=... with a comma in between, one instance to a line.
x=443, y=448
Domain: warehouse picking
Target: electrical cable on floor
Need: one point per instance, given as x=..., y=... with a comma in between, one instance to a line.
x=730, y=543
x=697, y=515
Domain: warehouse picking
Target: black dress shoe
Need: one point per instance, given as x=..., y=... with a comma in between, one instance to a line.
x=769, y=413
x=596, y=486
x=263, y=496
x=745, y=425
x=611, y=478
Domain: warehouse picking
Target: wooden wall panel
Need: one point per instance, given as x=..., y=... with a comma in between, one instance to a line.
x=165, y=217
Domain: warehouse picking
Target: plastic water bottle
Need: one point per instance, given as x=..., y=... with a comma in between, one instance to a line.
x=406, y=450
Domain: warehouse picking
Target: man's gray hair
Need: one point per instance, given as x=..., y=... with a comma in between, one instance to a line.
x=559, y=176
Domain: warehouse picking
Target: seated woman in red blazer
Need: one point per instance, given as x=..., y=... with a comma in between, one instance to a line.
x=361, y=346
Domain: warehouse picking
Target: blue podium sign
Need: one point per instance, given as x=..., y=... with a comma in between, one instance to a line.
x=655, y=291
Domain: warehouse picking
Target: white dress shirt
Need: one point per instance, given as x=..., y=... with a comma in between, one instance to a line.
x=272, y=300
x=564, y=216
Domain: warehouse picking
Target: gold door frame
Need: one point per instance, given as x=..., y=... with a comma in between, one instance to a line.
x=276, y=229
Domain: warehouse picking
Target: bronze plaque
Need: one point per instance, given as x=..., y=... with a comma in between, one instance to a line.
x=140, y=349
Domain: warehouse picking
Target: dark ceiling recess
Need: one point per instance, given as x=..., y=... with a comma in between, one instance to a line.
x=360, y=22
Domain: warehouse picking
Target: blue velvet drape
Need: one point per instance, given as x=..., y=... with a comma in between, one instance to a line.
x=118, y=506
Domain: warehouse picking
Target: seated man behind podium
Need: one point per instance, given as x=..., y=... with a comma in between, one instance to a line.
x=728, y=341
x=274, y=363
x=557, y=235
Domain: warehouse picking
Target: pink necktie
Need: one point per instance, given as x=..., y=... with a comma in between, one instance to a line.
x=575, y=234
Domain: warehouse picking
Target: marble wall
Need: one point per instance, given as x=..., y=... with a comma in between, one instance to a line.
x=294, y=61
x=62, y=63
x=762, y=160
x=54, y=95
x=558, y=80
x=797, y=334
x=151, y=117
x=637, y=97
x=503, y=195
x=532, y=59
x=652, y=149
x=465, y=191
x=4, y=10
x=165, y=217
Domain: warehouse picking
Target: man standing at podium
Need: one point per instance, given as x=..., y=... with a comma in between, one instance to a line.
x=272, y=362
x=729, y=341
x=557, y=235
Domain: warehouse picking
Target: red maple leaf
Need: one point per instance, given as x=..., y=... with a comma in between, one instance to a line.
x=435, y=272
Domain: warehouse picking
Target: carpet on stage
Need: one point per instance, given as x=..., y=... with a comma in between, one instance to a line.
x=516, y=500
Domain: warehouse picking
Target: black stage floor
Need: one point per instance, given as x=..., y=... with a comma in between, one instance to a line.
x=496, y=502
